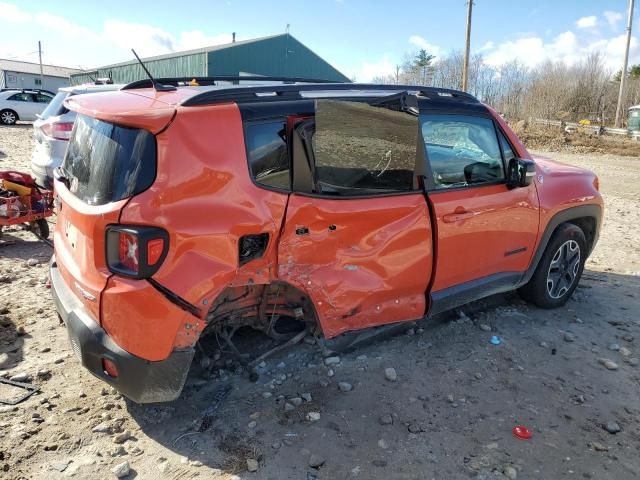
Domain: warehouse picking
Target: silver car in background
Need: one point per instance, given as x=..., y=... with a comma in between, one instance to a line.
x=52, y=131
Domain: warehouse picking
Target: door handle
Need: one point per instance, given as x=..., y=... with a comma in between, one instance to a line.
x=456, y=217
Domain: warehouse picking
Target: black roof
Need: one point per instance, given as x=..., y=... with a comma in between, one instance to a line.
x=291, y=89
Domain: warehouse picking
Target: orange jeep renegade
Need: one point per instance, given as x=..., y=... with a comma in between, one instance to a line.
x=198, y=208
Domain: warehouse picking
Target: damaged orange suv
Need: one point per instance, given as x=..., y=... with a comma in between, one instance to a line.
x=188, y=210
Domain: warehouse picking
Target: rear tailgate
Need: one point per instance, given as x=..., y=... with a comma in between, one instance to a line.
x=105, y=165
x=79, y=241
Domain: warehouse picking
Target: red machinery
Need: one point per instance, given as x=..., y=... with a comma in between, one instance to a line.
x=22, y=201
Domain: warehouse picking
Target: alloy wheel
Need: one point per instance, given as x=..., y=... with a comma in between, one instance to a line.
x=563, y=270
x=8, y=118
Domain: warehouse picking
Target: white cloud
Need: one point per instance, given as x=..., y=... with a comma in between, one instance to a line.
x=421, y=43
x=12, y=13
x=566, y=47
x=587, y=22
x=529, y=50
x=487, y=46
x=147, y=40
x=71, y=44
x=612, y=18
x=367, y=71
x=613, y=50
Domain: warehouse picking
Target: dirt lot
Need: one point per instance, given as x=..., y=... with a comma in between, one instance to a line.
x=448, y=414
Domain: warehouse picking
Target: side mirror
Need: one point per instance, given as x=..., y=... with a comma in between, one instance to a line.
x=520, y=172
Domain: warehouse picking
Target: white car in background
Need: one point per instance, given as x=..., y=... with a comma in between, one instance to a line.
x=52, y=131
x=22, y=104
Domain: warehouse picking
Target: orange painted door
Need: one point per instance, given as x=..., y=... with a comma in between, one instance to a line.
x=483, y=230
x=363, y=262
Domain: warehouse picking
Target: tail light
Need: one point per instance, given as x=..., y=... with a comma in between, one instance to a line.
x=136, y=251
x=58, y=130
x=596, y=182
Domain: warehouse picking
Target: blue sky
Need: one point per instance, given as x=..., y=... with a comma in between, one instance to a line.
x=361, y=38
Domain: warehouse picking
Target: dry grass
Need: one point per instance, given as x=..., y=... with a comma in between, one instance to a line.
x=536, y=137
x=238, y=449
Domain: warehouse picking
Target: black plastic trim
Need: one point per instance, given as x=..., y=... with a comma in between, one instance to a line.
x=274, y=93
x=592, y=210
x=452, y=297
x=175, y=298
x=141, y=380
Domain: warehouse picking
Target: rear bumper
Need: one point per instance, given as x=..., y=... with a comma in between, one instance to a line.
x=42, y=175
x=140, y=380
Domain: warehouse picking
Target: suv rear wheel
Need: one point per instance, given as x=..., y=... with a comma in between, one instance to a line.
x=8, y=117
x=559, y=270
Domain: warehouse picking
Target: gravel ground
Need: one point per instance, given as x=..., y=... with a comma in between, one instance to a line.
x=445, y=412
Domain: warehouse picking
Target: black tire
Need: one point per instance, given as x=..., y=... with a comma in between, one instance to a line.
x=8, y=117
x=551, y=286
x=40, y=228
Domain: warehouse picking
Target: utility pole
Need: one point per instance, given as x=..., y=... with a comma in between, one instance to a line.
x=40, y=55
x=623, y=77
x=465, y=65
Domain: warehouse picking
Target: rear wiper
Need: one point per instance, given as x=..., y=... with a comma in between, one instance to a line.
x=59, y=175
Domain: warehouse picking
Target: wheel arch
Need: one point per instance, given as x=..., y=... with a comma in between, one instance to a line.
x=255, y=305
x=12, y=111
x=587, y=217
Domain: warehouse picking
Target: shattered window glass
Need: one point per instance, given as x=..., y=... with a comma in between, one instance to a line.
x=362, y=149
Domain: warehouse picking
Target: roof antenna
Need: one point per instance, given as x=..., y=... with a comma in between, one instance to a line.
x=158, y=87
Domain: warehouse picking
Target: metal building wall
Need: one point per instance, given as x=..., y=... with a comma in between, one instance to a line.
x=280, y=56
x=175, y=66
x=28, y=80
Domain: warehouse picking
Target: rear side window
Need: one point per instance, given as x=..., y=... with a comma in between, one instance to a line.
x=105, y=162
x=21, y=97
x=462, y=150
x=363, y=149
x=56, y=106
x=268, y=153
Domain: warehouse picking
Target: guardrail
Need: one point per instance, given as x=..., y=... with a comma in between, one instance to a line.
x=595, y=129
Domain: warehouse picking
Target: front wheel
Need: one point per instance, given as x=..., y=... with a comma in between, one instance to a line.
x=559, y=270
x=8, y=117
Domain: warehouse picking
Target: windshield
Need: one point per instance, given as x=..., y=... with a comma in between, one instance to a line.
x=56, y=106
x=105, y=162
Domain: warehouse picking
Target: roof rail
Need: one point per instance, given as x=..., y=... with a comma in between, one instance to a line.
x=208, y=81
x=244, y=94
x=25, y=90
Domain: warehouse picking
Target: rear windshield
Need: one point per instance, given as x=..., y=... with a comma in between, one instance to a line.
x=56, y=106
x=105, y=162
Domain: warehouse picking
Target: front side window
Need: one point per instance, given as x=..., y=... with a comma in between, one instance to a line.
x=267, y=153
x=462, y=150
x=363, y=149
x=40, y=98
x=506, y=147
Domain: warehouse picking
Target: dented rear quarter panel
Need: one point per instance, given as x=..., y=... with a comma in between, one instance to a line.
x=204, y=197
